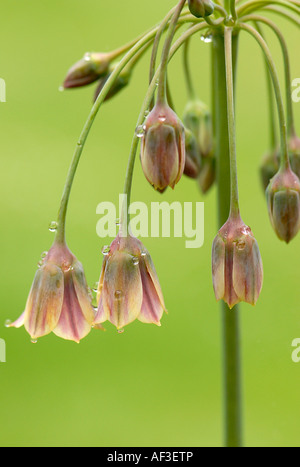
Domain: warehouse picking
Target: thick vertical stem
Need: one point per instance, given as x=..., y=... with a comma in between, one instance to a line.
x=230, y=318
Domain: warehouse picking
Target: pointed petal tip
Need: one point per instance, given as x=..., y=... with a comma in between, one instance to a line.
x=98, y=327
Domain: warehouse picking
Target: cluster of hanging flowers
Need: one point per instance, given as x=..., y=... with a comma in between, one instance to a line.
x=60, y=300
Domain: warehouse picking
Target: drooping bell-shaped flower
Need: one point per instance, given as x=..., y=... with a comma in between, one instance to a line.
x=59, y=300
x=129, y=288
x=201, y=8
x=88, y=70
x=236, y=264
x=283, y=197
x=163, y=148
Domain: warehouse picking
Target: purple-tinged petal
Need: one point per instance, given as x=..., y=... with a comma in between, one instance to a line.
x=72, y=324
x=18, y=323
x=45, y=300
x=152, y=309
x=218, y=267
x=247, y=270
x=122, y=290
x=81, y=290
x=152, y=273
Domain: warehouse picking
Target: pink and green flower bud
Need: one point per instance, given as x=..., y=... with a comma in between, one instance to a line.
x=59, y=300
x=163, y=148
x=283, y=197
x=192, y=156
x=121, y=82
x=269, y=167
x=88, y=70
x=236, y=264
x=198, y=119
x=129, y=288
x=201, y=8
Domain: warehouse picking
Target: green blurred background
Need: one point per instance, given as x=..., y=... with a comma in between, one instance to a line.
x=148, y=386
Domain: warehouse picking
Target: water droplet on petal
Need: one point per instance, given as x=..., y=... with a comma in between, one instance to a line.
x=140, y=131
x=118, y=222
x=120, y=331
x=95, y=287
x=34, y=341
x=7, y=323
x=66, y=267
x=144, y=253
x=87, y=57
x=162, y=118
x=105, y=250
x=53, y=226
x=44, y=254
x=135, y=261
x=61, y=89
x=241, y=245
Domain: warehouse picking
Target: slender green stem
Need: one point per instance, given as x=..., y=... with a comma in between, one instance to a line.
x=221, y=10
x=230, y=318
x=187, y=70
x=161, y=92
x=234, y=201
x=273, y=132
x=134, y=145
x=156, y=43
x=283, y=14
x=283, y=127
x=287, y=68
x=250, y=6
x=233, y=9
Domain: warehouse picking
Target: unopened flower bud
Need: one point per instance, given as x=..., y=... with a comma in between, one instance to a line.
x=129, y=288
x=121, y=82
x=201, y=8
x=192, y=155
x=283, y=197
x=236, y=264
x=163, y=148
x=269, y=167
x=88, y=70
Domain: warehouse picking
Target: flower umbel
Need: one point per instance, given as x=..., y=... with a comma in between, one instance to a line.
x=129, y=288
x=163, y=148
x=59, y=301
x=236, y=264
